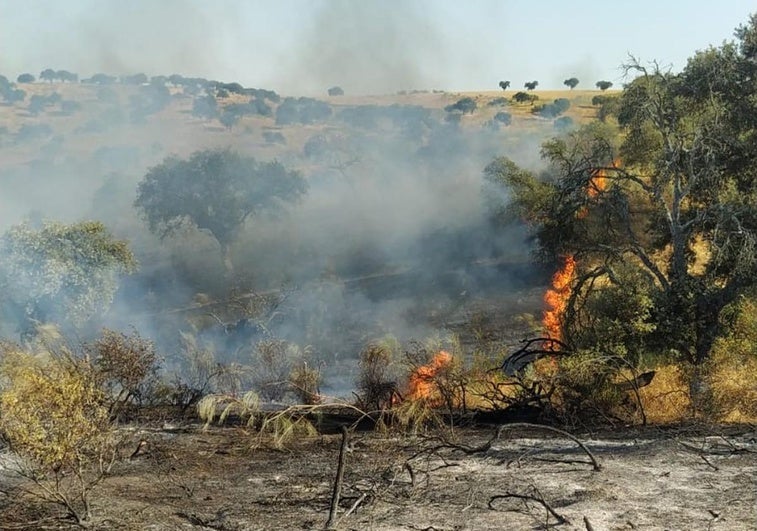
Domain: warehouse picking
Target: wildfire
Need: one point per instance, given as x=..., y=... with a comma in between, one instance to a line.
x=556, y=298
x=421, y=384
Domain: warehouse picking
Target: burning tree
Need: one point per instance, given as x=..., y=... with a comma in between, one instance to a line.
x=666, y=244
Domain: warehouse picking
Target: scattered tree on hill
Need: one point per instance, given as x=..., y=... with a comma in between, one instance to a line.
x=60, y=273
x=205, y=107
x=603, y=85
x=25, y=78
x=135, y=79
x=336, y=91
x=504, y=118
x=216, y=191
x=504, y=85
x=48, y=75
x=66, y=76
x=571, y=82
x=465, y=105
x=666, y=243
x=531, y=85
x=524, y=97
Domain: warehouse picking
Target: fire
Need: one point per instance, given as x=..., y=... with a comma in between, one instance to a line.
x=556, y=298
x=599, y=181
x=421, y=384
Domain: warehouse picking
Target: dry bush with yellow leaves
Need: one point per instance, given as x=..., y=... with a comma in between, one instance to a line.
x=54, y=414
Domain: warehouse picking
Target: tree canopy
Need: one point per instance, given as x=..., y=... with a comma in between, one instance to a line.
x=571, y=82
x=603, y=85
x=60, y=273
x=662, y=212
x=216, y=191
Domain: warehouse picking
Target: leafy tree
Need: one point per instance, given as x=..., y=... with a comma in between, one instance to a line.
x=216, y=191
x=465, y=105
x=504, y=85
x=25, y=78
x=229, y=119
x=48, y=74
x=336, y=91
x=205, y=107
x=65, y=75
x=603, y=85
x=571, y=82
x=563, y=123
x=524, y=97
x=531, y=85
x=60, y=273
x=135, y=79
x=676, y=224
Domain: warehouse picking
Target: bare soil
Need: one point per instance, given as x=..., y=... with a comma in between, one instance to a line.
x=683, y=478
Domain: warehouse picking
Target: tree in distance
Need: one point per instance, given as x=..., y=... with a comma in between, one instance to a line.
x=25, y=78
x=48, y=74
x=336, y=91
x=531, y=85
x=215, y=191
x=524, y=97
x=465, y=105
x=504, y=85
x=60, y=273
x=571, y=82
x=603, y=85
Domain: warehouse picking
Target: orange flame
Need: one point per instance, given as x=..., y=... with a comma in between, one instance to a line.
x=556, y=298
x=421, y=384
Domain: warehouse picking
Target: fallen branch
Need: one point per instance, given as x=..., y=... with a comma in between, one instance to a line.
x=527, y=425
x=528, y=497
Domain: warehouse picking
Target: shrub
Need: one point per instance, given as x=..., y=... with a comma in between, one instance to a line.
x=464, y=105
x=563, y=123
x=305, y=381
x=377, y=383
x=127, y=367
x=336, y=91
x=504, y=118
x=54, y=414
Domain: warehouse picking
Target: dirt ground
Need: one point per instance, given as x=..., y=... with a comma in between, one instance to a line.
x=189, y=478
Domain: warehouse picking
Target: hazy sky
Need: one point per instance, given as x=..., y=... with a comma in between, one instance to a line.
x=369, y=46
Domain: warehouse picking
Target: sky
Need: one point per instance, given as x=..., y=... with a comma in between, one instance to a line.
x=365, y=46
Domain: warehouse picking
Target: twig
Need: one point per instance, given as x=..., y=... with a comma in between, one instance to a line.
x=338, y=480
x=354, y=506
x=560, y=519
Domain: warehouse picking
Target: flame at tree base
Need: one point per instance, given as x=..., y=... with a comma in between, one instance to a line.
x=556, y=298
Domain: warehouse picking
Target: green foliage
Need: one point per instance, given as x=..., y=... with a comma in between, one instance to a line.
x=571, y=82
x=60, y=273
x=465, y=105
x=504, y=85
x=531, y=85
x=525, y=97
x=681, y=212
x=214, y=190
x=552, y=110
x=25, y=78
x=564, y=123
x=603, y=85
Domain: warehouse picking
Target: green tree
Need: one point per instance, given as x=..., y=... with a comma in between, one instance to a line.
x=25, y=78
x=504, y=85
x=60, y=273
x=677, y=223
x=216, y=191
x=571, y=82
x=531, y=85
x=48, y=74
x=603, y=85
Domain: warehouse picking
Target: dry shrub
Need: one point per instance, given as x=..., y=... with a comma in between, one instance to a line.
x=54, y=413
x=666, y=399
x=584, y=390
x=272, y=364
x=127, y=367
x=377, y=382
x=733, y=387
x=305, y=381
x=276, y=428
